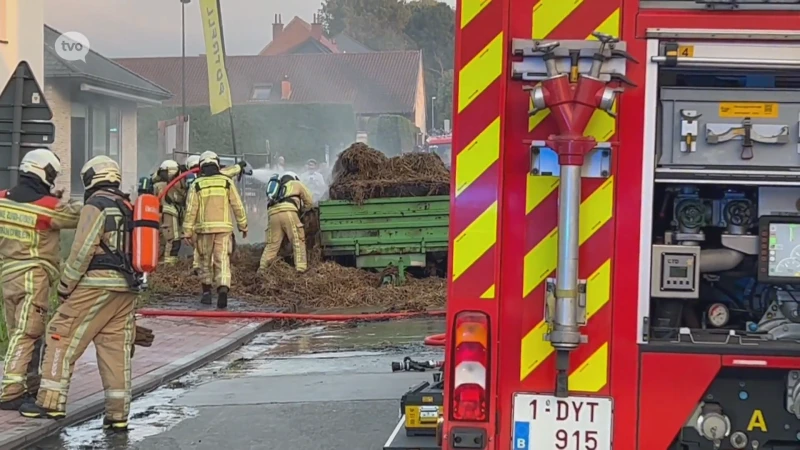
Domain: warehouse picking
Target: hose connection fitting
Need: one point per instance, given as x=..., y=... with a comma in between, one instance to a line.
x=572, y=93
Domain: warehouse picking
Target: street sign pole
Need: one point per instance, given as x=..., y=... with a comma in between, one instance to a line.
x=16, y=128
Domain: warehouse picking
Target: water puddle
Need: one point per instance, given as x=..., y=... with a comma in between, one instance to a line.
x=365, y=347
x=154, y=412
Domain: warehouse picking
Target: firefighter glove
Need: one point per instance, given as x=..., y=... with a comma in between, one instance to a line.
x=144, y=337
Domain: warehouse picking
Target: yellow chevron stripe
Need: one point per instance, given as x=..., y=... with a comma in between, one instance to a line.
x=592, y=375
x=609, y=26
x=534, y=349
x=537, y=190
x=489, y=294
x=595, y=211
x=474, y=241
x=479, y=156
x=470, y=10
x=548, y=14
x=480, y=73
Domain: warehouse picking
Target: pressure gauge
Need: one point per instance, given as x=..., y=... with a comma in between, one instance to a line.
x=718, y=315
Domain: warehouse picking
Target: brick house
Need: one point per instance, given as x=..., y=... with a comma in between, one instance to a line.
x=374, y=83
x=299, y=36
x=94, y=106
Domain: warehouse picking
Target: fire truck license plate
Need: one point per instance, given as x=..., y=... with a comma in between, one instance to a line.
x=552, y=423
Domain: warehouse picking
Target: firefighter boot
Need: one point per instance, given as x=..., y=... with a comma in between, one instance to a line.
x=222, y=297
x=33, y=411
x=16, y=404
x=115, y=426
x=206, y=298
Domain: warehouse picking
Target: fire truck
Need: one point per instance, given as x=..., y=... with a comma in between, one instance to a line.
x=625, y=226
x=442, y=146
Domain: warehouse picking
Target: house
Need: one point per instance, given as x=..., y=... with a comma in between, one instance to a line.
x=94, y=106
x=301, y=37
x=374, y=83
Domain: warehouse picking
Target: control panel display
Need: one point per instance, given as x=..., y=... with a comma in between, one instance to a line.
x=677, y=275
x=675, y=271
x=779, y=250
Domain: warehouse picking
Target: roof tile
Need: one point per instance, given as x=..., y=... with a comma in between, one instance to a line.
x=374, y=83
x=294, y=34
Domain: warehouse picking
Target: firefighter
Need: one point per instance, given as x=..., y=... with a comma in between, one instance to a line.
x=284, y=213
x=31, y=216
x=233, y=171
x=209, y=228
x=171, y=206
x=97, y=295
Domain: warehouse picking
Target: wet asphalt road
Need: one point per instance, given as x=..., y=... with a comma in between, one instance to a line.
x=313, y=388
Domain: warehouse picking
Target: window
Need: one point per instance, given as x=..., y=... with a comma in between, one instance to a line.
x=114, y=124
x=96, y=131
x=99, y=138
x=262, y=92
x=3, y=21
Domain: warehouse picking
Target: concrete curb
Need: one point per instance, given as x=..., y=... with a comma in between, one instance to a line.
x=31, y=432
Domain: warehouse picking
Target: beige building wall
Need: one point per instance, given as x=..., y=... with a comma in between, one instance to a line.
x=58, y=98
x=420, y=103
x=21, y=37
x=129, y=156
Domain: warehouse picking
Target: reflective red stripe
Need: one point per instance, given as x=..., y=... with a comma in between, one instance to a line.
x=44, y=222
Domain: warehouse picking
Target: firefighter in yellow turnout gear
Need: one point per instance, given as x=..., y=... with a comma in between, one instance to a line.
x=291, y=199
x=31, y=216
x=209, y=228
x=171, y=211
x=97, y=302
x=193, y=161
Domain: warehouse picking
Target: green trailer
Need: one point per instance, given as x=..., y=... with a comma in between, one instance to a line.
x=387, y=232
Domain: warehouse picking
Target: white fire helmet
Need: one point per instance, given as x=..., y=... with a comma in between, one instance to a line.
x=43, y=164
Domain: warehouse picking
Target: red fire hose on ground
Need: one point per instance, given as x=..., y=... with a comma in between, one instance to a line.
x=285, y=316
x=436, y=340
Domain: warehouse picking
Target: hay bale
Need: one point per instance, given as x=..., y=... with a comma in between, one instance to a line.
x=363, y=173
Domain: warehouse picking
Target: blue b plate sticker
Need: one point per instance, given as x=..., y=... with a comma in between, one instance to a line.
x=522, y=432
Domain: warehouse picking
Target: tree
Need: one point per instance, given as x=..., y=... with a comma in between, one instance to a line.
x=444, y=99
x=376, y=23
x=432, y=27
x=427, y=25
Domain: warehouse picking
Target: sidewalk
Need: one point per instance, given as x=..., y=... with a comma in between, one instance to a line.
x=181, y=345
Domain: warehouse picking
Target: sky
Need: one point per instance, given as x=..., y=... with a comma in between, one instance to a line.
x=131, y=28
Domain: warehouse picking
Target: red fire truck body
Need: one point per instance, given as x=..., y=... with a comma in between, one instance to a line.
x=501, y=371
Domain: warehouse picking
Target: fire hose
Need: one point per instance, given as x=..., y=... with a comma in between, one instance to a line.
x=176, y=181
x=286, y=316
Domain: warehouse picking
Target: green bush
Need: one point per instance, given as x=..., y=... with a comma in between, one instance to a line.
x=391, y=134
x=295, y=131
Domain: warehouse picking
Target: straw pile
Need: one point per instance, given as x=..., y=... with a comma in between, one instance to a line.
x=363, y=173
x=325, y=285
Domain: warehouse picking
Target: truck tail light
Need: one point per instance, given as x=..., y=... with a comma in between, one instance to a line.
x=471, y=357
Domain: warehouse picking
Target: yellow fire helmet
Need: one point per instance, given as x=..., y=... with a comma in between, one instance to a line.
x=100, y=169
x=43, y=164
x=171, y=167
x=192, y=161
x=207, y=158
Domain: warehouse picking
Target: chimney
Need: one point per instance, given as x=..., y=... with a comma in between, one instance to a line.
x=277, y=27
x=316, y=28
x=286, y=88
